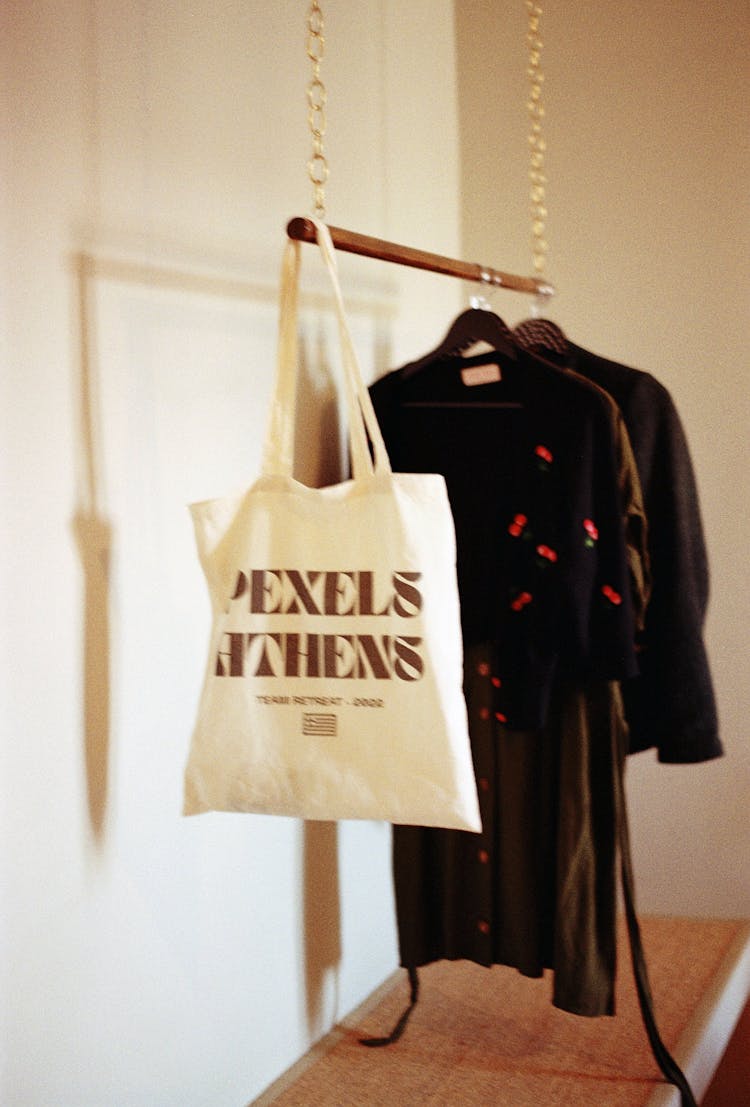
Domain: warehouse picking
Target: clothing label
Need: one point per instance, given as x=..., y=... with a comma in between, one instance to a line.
x=481, y=374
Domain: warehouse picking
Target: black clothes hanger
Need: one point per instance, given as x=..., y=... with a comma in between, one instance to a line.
x=472, y=325
x=543, y=337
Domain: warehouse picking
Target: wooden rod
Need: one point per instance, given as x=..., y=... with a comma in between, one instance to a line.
x=303, y=230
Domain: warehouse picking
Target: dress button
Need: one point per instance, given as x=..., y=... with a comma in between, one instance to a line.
x=483, y=856
x=484, y=712
x=483, y=926
x=484, y=784
x=483, y=668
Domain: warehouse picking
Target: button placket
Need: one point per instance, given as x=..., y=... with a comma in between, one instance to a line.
x=498, y=706
x=483, y=715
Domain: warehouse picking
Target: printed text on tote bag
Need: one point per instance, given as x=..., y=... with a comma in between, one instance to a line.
x=258, y=650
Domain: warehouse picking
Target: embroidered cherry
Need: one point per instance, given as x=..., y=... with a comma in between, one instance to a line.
x=500, y=717
x=547, y=553
x=516, y=527
x=592, y=532
x=521, y=600
x=497, y=682
x=544, y=453
x=613, y=596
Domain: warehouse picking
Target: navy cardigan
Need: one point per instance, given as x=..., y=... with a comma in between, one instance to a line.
x=532, y=479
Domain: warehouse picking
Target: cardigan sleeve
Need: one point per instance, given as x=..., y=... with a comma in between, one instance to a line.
x=671, y=705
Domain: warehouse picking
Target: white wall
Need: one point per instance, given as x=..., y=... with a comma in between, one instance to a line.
x=152, y=153
x=649, y=239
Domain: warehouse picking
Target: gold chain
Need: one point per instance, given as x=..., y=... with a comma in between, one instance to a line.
x=317, y=166
x=537, y=144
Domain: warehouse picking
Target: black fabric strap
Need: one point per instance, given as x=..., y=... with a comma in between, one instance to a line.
x=400, y=1026
x=662, y=1056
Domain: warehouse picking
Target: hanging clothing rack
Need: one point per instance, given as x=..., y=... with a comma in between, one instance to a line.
x=303, y=230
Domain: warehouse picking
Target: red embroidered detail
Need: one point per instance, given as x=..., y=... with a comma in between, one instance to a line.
x=521, y=600
x=516, y=527
x=613, y=596
x=500, y=717
x=543, y=453
x=497, y=681
x=591, y=529
x=547, y=553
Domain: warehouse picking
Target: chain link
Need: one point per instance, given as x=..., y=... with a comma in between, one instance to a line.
x=317, y=167
x=537, y=144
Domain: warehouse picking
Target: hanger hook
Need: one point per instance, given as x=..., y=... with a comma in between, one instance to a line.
x=540, y=304
x=479, y=300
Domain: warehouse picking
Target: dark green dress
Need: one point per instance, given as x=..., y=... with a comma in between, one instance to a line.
x=549, y=531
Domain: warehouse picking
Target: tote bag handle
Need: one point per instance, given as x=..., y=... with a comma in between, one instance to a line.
x=278, y=449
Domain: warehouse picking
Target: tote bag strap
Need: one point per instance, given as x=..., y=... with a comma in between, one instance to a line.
x=278, y=450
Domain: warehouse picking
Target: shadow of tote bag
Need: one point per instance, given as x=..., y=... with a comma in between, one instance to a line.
x=333, y=686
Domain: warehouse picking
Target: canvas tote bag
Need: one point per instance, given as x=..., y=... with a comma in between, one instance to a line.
x=333, y=685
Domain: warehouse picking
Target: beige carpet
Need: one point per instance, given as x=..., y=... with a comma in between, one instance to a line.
x=481, y=1037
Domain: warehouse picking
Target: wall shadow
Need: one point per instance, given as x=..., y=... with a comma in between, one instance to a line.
x=94, y=539
x=319, y=461
x=322, y=919
x=93, y=534
x=319, y=455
